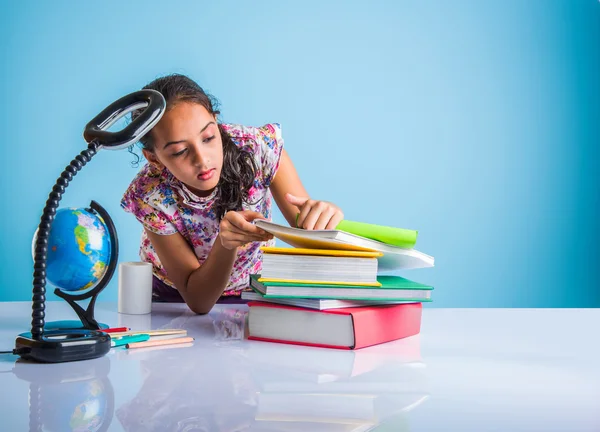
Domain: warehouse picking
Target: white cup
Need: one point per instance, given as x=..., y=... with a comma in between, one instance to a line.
x=135, y=322
x=135, y=288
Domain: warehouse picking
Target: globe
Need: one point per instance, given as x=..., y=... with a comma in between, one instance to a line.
x=74, y=406
x=79, y=248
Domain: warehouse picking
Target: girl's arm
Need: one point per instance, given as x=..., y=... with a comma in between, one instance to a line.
x=292, y=199
x=202, y=285
x=286, y=181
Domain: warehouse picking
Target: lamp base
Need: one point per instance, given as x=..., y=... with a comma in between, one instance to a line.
x=70, y=325
x=63, y=346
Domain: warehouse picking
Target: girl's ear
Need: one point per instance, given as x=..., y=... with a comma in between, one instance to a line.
x=152, y=159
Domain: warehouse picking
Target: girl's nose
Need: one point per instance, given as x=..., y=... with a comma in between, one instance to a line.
x=198, y=158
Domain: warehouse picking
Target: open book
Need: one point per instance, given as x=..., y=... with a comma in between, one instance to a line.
x=394, y=257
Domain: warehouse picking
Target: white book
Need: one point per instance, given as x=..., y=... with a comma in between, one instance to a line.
x=319, y=268
x=394, y=258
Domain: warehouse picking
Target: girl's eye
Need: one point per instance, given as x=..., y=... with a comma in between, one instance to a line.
x=180, y=153
x=208, y=139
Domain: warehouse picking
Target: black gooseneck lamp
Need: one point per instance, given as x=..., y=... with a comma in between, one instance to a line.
x=63, y=345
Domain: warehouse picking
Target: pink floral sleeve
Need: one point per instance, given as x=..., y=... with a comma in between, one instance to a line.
x=138, y=200
x=270, y=146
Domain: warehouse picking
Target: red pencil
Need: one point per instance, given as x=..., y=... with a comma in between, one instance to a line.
x=115, y=330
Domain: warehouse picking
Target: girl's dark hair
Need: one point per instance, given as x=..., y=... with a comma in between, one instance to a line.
x=239, y=168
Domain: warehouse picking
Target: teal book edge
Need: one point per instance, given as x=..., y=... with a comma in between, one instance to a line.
x=337, y=297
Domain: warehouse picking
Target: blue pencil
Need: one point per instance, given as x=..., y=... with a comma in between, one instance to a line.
x=124, y=340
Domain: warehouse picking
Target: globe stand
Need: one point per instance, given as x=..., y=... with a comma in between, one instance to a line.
x=63, y=345
x=86, y=316
x=69, y=387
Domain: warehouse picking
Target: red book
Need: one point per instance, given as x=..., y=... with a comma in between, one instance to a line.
x=348, y=328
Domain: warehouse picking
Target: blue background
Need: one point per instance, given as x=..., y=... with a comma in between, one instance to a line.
x=475, y=122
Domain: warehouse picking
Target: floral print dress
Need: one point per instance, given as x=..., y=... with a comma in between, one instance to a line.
x=165, y=206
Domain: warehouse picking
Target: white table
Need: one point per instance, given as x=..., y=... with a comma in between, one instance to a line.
x=469, y=369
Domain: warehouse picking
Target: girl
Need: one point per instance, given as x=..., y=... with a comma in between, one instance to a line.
x=204, y=184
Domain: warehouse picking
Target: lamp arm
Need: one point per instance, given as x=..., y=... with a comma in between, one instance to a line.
x=41, y=243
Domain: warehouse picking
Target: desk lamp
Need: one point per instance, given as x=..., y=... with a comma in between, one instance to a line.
x=63, y=345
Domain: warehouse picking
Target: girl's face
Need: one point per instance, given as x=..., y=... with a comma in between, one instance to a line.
x=187, y=141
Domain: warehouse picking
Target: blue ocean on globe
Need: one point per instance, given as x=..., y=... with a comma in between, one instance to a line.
x=78, y=249
x=83, y=406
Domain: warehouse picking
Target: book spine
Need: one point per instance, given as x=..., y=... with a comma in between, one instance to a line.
x=382, y=324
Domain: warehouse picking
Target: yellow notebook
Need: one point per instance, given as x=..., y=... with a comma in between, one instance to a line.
x=320, y=252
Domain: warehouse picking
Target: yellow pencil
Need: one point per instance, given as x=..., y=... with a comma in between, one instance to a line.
x=160, y=342
x=154, y=348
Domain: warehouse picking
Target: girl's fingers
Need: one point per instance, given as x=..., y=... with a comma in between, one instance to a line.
x=251, y=237
x=335, y=220
x=313, y=216
x=261, y=236
x=251, y=215
x=304, y=211
x=238, y=220
x=294, y=200
x=241, y=239
x=324, y=218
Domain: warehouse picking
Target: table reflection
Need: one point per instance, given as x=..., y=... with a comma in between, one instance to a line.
x=227, y=383
x=74, y=396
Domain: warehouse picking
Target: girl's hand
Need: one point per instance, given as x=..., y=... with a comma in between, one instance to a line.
x=236, y=229
x=315, y=214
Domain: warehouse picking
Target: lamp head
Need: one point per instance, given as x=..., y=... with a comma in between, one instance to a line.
x=96, y=129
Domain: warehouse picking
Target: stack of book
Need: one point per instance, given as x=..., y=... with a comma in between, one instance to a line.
x=327, y=290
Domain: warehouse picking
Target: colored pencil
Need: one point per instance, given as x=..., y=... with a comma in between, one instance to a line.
x=115, y=330
x=141, y=351
x=160, y=342
x=167, y=336
x=180, y=332
x=116, y=342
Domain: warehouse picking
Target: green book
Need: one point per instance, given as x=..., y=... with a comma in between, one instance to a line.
x=393, y=288
x=401, y=237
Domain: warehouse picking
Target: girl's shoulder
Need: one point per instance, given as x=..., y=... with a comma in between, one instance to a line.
x=149, y=184
x=150, y=199
x=269, y=134
x=147, y=180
